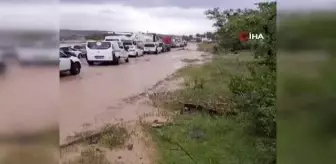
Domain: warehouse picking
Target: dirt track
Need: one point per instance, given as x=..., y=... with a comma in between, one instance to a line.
x=96, y=96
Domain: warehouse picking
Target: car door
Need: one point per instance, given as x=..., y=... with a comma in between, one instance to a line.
x=159, y=47
x=137, y=49
x=65, y=62
x=75, y=52
x=123, y=53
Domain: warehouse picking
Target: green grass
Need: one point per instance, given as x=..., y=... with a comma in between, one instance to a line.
x=207, y=85
x=202, y=139
x=207, y=141
x=306, y=108
x=207, y=47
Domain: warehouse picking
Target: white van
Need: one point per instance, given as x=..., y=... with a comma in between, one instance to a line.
x=152, y=47
x=105, y=51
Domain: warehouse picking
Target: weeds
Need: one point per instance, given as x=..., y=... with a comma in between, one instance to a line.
x=115, y=136
x=190, y=60
x=206, y=47
x=90, y=155
x=110, y=136
x=199, y=137
x=204, y=139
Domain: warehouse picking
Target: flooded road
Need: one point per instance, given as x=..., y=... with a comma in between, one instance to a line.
x=95, y=96
x=29, y=99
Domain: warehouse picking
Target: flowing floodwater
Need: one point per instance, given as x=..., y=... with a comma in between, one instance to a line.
x=96, y=95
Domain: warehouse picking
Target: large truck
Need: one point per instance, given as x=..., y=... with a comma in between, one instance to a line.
x=168, y=42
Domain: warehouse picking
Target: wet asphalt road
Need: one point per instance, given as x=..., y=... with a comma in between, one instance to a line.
x=95, y=95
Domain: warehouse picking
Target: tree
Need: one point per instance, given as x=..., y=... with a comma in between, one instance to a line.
x=254, y=96
x=209, y=35
x=198, y=35
x=185, y=37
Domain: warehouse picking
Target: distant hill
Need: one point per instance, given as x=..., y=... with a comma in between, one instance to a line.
x=82, y=34
x=78, y=34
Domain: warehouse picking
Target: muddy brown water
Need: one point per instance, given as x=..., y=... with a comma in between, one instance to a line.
x=95, y=96
x=33, y=98
x=29, y=99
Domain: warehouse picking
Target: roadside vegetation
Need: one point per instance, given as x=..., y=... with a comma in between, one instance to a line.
x=94, y=145
x=227, y=106
x=90, y=155
x=206, y=47
x=306, y=88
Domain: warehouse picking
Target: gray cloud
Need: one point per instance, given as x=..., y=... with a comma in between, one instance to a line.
x=173, y=20
x=175, y=3
x=225, y=4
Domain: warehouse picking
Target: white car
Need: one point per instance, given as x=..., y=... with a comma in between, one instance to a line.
x=140, y=50
x=68, y=63
x=133, y=50
x=152, y=47
x=72, y=50
x=106, y=51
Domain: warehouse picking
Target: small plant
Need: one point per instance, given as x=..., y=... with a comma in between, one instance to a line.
x=90, y=155
x=115, y=136
x=190, y=60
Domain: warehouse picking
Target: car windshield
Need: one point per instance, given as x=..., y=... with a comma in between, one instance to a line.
x=149, y=45
x=62, y=54
x=71, y=49
x=127, y=44
x=78, y=47
x=99, y=45
x=120, y=45
x=111, y=39
x=65, y=49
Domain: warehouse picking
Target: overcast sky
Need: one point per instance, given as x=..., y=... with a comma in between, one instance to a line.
x=161, y=16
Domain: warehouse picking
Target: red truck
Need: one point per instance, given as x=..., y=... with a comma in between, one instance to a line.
x=168, y=42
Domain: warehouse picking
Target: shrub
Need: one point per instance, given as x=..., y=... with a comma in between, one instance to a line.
x=253, y=95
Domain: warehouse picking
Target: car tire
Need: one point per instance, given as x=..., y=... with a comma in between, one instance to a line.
x=115, y=60
x=90, y=63
x=75, y=68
